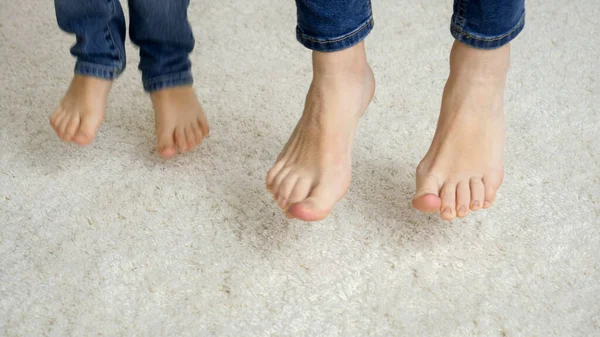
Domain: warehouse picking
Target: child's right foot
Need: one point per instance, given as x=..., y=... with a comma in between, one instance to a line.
x=82, y=110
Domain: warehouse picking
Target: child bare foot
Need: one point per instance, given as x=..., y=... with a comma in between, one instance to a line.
x=464, y=166
x=82, y=110
x=180, y=120
x=313, y=171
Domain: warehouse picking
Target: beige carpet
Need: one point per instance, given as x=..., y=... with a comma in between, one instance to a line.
x=111, y=241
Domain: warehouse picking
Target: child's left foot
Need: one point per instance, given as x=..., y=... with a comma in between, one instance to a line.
x=464, y=166
x=180, y=120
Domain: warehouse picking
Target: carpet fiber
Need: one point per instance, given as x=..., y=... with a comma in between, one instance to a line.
x=110, y=240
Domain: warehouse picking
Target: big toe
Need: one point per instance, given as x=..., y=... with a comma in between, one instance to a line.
x=166, y=144
x=427, y=198
x=83, y=138
x=429, y=203
x=87, y=131
x=308, y=210
x=316, y=207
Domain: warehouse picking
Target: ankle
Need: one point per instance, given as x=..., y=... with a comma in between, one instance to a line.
x=351, y=61
x=478, y=64
x=84, y=80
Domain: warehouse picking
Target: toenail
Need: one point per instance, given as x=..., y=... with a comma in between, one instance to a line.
x=462, y=210
x=487, y=204
x=448, y=211
x=309, y=205
x=476, y=203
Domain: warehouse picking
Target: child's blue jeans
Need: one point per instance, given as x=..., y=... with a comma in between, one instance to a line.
x=159, y=27
x=332, y=25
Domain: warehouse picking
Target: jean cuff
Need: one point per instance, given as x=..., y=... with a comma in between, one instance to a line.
x=98, y=70
x=338, y=43
x=168, y=81
x=487, y=42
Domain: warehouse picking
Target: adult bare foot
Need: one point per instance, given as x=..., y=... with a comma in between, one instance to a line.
x=464, y=166
x=180, y=120
x=81, y=111
x=313, y=171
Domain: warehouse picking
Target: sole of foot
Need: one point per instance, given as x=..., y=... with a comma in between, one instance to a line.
x=181, y=123
x=82, y=110
x=464, y=166
x=313, y=171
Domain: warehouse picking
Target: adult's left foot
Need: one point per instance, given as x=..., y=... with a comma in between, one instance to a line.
x=464, y=166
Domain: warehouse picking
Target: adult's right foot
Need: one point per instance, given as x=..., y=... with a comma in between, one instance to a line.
x=313, y=170
x=81, y=111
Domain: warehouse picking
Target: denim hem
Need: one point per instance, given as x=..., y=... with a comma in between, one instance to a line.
x=339, y=43
x=168, y=81
x=486, y=42
x=98, y=70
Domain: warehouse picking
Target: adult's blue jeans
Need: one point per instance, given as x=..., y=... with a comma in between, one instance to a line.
x=158, y=27
x=332, y=25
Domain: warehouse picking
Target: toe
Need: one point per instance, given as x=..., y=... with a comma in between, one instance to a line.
x=203, y=124
x=191, y=138
x=55, y=118
x=82, y=138
x=477, y=193
x=426, y=198
x=72, y=127
x=273, y=172
x=316, y=207
x=61, y=128
x=463, y=198
x=285, y=189
x=491, y=185
x=197, y=131
x=87, y=131
x=279, y=179
x=166, y=144
x=448, y=208
x=300, y=191
x=180, y=139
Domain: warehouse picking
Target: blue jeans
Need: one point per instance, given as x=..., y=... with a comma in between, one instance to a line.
x=332, y=25
x=158, y=27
